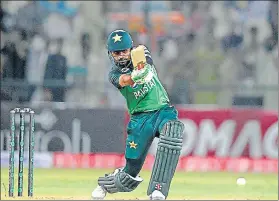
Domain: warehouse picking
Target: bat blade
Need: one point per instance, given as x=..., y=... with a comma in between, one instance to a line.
x=138, y=57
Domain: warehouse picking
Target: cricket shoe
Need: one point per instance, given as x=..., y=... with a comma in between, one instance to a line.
x=157, y=195
x=99, y=193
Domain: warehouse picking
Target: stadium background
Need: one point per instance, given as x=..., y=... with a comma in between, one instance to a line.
x=218, y=61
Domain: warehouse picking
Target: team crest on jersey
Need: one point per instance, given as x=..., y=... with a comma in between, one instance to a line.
x=124, y=70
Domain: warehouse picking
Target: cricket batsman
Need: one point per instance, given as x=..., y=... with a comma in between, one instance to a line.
x=133, y=73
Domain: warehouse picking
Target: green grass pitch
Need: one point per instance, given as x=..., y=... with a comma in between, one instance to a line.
x=79, y=183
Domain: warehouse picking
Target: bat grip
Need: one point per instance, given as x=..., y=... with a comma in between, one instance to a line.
x=140, y=66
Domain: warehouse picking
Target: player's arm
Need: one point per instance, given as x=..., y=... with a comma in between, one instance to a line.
x=120, y=80
x=143, y=65
x=125, y=80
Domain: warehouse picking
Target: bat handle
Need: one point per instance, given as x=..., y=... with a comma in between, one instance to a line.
x=140, y=66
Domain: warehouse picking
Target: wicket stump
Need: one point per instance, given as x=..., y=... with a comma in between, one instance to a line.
x=31, y=136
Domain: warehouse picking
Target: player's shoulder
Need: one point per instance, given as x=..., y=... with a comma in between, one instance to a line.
x=113, y=70
x=113, y=77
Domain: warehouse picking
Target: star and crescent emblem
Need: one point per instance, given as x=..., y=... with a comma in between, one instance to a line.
x=117, y=38
x=133, y=145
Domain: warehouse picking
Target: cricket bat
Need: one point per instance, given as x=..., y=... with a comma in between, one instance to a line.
x=138, y=57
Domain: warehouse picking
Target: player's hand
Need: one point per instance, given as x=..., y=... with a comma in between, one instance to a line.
x=143, y=75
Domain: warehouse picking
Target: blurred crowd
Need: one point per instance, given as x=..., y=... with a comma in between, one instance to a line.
x=218, y=52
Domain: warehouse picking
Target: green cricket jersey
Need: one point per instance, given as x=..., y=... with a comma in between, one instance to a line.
x=141, y=97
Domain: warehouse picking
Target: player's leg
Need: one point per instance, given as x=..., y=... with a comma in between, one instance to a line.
x=134, y=166
x=166, y=160
x=121, y=180
x=167, y=156
x=139, y=139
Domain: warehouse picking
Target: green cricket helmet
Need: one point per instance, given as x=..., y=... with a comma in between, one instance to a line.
x=119, y=40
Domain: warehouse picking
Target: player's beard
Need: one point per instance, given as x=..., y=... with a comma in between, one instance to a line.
x=123, y=62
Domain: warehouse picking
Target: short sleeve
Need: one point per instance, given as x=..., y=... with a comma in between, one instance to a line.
x=114, y=78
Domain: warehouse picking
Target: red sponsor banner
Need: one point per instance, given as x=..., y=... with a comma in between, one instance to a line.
x=68, y=160
x=230, y=133
x=191, y=163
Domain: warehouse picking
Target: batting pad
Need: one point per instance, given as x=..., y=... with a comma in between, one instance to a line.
x=167, y=156
x=120, y=182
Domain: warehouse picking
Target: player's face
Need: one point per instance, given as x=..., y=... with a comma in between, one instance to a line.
x=122, y=56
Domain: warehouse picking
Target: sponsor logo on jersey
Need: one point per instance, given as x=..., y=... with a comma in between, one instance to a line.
x=145, y=89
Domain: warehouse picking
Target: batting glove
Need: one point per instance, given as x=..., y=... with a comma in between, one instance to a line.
x=143, y=75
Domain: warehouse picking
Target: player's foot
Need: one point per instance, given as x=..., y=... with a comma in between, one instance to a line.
x=157, y=195
x=99, y=193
